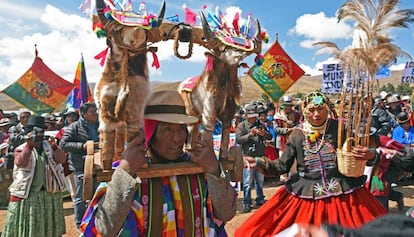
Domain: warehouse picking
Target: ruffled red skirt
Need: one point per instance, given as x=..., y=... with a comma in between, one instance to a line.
x=283, y=209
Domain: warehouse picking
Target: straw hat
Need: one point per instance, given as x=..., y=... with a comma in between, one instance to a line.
x=4, y=145
x=4, y=122
x=405, y=98
x=167, y=106
x=392, y=99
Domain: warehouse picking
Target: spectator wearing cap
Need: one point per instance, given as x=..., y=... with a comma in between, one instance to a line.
x=70, y=116
x=13, y=118
x=3, y=149
x=251, y=134
x=50, y=122
x=380, y=118
x=404, y=132
x=393, y=106
x=17, y=137
x=270, y=150
x=237, y=118
x=405, y=103
x=286, y=117
x=4, y=130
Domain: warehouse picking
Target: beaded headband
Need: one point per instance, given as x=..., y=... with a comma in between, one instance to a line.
x=317, y=99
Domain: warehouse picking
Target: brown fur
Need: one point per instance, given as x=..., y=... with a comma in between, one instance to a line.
x=124, y=87
x=217, y=94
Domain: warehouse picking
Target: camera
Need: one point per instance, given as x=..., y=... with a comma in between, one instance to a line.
x=252, y=150
x=36, y=135
x=257, y=124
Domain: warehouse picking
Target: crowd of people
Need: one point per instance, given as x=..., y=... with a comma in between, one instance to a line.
x=291, y=142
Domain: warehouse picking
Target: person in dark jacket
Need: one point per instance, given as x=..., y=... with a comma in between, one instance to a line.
x=74, y=143
x=251, y=134
x=381, y=120
x=16, y=137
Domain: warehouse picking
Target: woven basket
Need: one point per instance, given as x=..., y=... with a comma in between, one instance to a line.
x=349, y=166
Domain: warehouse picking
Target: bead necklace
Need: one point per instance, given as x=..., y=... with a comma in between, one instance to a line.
x=312, y=134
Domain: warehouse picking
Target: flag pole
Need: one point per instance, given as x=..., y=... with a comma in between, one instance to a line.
x=36, y=52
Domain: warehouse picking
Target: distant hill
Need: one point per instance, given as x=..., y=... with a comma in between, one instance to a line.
x=251, y=91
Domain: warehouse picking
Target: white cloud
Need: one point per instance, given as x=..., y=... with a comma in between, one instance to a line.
x=317, y=69
x=319, y=27
x=65, y=37
x=308, y=44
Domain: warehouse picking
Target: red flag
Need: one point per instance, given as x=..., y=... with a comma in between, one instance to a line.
x=190, y=16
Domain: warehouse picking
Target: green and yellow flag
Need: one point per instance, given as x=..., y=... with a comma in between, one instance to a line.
x=39, y=89
x=276, y=73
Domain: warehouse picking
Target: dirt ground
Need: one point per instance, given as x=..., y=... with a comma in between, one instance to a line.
x=270, y=187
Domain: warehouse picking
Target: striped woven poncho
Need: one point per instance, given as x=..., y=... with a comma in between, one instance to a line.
x=138, y=222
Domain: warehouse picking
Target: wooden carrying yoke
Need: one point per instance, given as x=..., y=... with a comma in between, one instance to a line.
x=94, y=168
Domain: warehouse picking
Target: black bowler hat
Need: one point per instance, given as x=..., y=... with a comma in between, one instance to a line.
x=403, y=117
x=35, y=121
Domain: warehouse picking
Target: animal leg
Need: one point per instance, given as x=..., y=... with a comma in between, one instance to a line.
x=224, y=146
x=108, y=123
x=120, y=140
x=193, y=134
x=107, y=148
x=209, y=122
x=137, y=95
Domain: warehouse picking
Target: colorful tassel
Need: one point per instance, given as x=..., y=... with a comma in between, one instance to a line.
x=313, y=136
x=265, y=36
x=209, y=65
x=259, y=59
x=102, y=56
x=155, y=63
x=377, y=184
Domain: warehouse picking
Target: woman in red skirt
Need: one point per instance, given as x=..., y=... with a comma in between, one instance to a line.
x=317, y=194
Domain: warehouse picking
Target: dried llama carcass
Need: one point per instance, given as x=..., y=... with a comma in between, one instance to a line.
x=216, y=94
x=124, y=86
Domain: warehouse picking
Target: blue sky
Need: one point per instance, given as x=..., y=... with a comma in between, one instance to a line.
x=62, y=32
